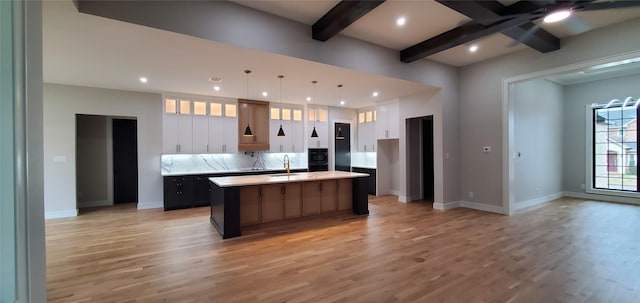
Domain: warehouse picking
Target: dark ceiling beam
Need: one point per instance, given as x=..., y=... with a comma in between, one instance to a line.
x=490, y=17
x=340, y=16
x=457, y=36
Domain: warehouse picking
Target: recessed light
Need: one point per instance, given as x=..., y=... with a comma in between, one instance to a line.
x=216, y=88
x=401, y=21
x=473, y=48
x=558, y=15
x=143, y=80
x=375, y=94
x=308, y=98
x=341, y=102
x=264, y=94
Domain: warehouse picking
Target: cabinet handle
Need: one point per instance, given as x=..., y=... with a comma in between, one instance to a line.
x=320, y=186
x=386, y=133
x=177, y=148
x=282, y=190
x=224, y=147
x=207, y=148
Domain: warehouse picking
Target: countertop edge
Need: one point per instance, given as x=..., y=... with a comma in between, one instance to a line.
x=265, y=179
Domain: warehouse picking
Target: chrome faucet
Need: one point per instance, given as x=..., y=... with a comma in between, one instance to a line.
x=287, y=164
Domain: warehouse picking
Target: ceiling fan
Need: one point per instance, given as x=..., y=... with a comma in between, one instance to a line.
x=554, y=11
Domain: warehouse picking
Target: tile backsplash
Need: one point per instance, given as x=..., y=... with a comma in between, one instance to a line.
x=361, y=159
x=210, y=163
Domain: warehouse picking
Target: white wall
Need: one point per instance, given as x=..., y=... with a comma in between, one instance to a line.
x=481, y=114
x=577, y=97
x=61, y=104
x=538, y=121
x=430, y=104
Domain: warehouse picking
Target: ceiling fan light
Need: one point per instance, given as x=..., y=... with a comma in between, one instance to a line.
x=556, y=16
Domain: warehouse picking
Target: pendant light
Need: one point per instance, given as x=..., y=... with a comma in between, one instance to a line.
x=247, y=130
x=314, y=134
x=280, y=131
x=339, y=136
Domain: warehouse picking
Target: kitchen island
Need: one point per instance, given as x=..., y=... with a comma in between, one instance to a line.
x=248, y=200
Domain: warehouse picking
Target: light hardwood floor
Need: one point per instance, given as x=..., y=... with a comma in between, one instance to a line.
x=565, y=251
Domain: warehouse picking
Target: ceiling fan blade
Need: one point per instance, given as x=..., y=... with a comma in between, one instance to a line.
x=593, y=6
x=526, y=35
x=576, y=26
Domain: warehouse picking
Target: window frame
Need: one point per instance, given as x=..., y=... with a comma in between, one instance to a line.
x=590, y=160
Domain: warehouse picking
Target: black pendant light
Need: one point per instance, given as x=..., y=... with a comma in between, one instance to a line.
x=314, y=134
x=247, y=130
x=280, y=131
x=339, y=136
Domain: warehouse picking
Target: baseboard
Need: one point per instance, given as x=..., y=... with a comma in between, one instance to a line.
x=606, y=198
x=484, y=207
x=445, y=206
x=152, y=204
x=61, y=214
x=538, y=201
x=94, y=203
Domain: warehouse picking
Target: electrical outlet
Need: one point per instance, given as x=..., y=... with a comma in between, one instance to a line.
x=470, y=194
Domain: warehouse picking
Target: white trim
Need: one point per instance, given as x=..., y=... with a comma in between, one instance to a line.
x=94, y=203
x=484, y=207
x=152, y=204
x=508, y=173
x=446, y=206
x=603, y=198
x=538, y=201
x=61, y=214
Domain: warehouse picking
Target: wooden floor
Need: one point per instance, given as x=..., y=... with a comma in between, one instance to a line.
x=566, y=251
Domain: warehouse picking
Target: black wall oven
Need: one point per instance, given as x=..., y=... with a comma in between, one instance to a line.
x=318, y=159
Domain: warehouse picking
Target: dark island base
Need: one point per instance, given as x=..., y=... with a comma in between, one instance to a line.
x=225, y=206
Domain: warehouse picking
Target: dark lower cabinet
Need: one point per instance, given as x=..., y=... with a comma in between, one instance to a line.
x=201, y=191
x=371, y=180
x=178, y=192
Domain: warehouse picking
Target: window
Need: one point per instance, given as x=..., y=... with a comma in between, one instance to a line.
x=615, y=148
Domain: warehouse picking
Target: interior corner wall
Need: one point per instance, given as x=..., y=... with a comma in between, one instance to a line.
x=481, y=115
x=61, y=104
x=91, y=160
x=538, y=122
x=445, y=171
x=577, y=99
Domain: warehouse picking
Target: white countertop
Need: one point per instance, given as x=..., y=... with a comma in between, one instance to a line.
x=283, y=178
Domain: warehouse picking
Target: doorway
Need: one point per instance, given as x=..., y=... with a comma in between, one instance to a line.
x=125, y=161
x=342, y=147
x=420, y=159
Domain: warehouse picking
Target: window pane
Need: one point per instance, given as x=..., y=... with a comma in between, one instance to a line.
x=375, y=115
x=601, y=137
x=297, y=115
x=323, y=115
x=601, y=148
x=230, y=110
x=602, y=182
x=199, y=108
x=601, y=160
x=170, y=106
x=369, y=117
x=361, y=117
x=185, y=106
x=286, y=114
x=215, y=109
x=312, y=114
x=275, y=113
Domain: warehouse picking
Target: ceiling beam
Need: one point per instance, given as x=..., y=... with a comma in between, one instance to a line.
x=340, y=16
x=462, y=34
x=489, y=17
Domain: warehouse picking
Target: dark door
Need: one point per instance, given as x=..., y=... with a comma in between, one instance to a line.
x=427, y=158
x=343, y=147
x=125, y=161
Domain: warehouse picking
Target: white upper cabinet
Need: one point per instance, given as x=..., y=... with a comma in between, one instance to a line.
x=199, y=126
x=366, y=129
x=388, y=121
x=290, y=117
x=318, y=117
x=177, y=130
